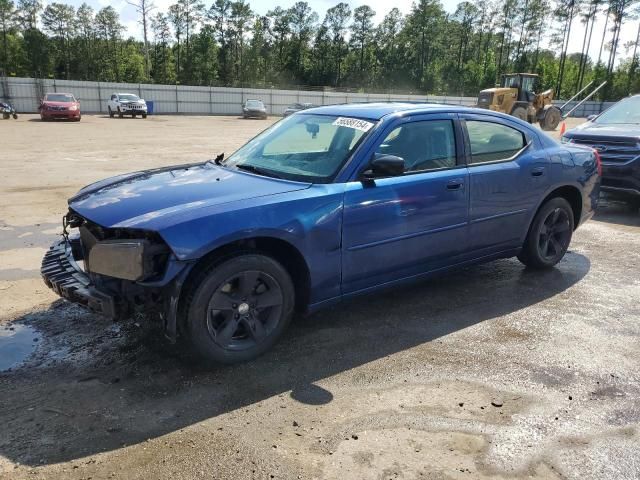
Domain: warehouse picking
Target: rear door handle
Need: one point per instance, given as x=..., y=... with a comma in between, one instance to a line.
x=537, y=172
x=455, y=184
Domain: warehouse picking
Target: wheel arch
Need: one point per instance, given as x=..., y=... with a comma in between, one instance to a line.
x=280, y=250
x=572, y=195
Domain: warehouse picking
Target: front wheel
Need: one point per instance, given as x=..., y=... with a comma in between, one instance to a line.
x=520, y=112
x=239, y=308
x=144, y=115
x=120, y=114
x=549, y=236
x=110, y=112
x=15, y=116
x=551, y=119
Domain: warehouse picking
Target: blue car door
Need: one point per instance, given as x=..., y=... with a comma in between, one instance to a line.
x=401, y=226
x=508, y=174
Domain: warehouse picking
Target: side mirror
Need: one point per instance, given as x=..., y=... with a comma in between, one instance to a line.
x=385, y=166
x=591, y=118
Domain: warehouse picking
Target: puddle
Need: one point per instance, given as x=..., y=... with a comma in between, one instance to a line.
x=17, y=342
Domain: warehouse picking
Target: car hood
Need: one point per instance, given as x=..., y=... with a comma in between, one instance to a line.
x=131, y=200
x=623, y=130
x=59, y=104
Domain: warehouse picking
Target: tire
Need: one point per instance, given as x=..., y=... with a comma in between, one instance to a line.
x=549, y=235
x=6, y=116
x=110, y=112
x=519, y=112
x=15, y=116
x=133, y=115
x=551, y=119
x=120, y=114
x=144, y=115
x=238, y=308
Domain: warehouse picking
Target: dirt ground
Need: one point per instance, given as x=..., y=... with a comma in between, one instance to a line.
x=492, y=372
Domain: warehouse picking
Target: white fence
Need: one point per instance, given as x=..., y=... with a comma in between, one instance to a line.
x=24, y=94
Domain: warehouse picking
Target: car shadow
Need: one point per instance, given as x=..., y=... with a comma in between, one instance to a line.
x=96, y=386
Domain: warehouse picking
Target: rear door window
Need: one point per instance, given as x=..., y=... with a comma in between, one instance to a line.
x=493, y=142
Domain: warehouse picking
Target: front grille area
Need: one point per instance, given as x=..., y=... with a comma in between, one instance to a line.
x=613, y=151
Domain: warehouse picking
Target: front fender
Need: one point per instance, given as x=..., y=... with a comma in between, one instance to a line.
x=310, y=220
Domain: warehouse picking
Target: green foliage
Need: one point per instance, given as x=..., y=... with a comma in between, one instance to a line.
x=427, y=50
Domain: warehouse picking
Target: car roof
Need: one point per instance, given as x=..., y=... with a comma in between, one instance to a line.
x=59, y=93
x=375, y=111
x=125, y=93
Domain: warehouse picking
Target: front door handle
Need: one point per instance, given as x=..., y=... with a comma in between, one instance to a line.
x=537, y=172
x=455, y=184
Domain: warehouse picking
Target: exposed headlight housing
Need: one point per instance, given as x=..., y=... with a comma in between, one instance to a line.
x=134, y=255
x=119, y=258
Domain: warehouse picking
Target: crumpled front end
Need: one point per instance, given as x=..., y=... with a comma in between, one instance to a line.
x=115, y=272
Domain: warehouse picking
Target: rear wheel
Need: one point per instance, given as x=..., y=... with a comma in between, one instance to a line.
x=239, y=308
x=520, y=112
x=549, y=235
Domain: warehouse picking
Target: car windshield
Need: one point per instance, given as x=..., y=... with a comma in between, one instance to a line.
x=127, y=97
x=59, y=97
x=255, y=104
x=625, y=111
x=310, y=148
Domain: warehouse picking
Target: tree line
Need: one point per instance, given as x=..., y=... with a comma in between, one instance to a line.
x=427, y=50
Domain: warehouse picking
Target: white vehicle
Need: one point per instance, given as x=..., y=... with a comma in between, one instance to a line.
x=127, y=104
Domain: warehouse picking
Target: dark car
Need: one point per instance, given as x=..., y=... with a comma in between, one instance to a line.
x=254, y=109
x=60, y=106
x=615, y=134
x=297, y=107
x=326, y=204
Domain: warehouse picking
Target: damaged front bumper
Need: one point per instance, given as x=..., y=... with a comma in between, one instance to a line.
x=62, y=274
x=116, y=298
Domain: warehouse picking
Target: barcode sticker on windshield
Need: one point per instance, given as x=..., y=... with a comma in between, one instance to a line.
x=353, y=123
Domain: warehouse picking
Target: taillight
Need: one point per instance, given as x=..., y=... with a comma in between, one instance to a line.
x=598, y=162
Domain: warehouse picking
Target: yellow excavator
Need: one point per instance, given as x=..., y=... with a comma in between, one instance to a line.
x=515, y=96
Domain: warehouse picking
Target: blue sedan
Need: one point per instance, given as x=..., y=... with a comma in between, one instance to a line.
x=329, y=203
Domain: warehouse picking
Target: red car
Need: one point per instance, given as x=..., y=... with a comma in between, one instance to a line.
x=60, y=105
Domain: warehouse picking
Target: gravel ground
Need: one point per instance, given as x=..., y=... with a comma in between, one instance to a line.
x=489, y=372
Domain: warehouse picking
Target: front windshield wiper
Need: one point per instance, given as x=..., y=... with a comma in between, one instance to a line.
x=258, y=170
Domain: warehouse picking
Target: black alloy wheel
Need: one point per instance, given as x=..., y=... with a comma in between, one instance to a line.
x=244, y=310
x=549, y=235
x=238, y=308
x=554, y=234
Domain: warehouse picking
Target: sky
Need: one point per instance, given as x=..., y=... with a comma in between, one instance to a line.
x=128, y=17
